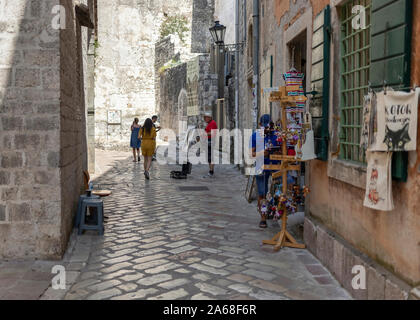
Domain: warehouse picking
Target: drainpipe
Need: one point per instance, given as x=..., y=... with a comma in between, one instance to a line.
x=256, y=40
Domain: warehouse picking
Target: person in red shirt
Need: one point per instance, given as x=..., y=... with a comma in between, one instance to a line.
x=211, y=125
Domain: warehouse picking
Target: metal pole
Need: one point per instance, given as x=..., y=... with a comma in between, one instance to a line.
x=237, y=67
x=256, y=40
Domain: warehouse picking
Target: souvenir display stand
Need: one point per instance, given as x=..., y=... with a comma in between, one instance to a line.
x=288, y=163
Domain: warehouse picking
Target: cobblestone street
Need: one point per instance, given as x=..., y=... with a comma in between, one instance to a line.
x=164, y=243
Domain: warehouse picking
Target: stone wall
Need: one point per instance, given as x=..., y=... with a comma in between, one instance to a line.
x=42, y=128
x=202, y=20
x=73, y=133
x=125, y=64
x=30, y=198
x=173, y=83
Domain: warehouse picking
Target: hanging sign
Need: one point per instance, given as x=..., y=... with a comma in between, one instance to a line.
x=396, y=117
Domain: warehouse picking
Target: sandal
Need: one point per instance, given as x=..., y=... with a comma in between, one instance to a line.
x=263, y=224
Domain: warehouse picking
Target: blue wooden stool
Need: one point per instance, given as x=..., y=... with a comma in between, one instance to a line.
x=79, y=208
x=92, y=203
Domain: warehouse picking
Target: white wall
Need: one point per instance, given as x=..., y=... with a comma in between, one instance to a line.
x=225, y=13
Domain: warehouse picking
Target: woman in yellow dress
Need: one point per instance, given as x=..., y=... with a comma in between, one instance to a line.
x=148, y=147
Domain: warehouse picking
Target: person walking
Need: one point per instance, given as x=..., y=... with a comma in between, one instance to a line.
x=258, y=147
x=148, y=146
x=211, y=125
x=135, y=142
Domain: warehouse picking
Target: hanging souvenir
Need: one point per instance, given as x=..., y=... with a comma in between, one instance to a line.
x=378, y=194
x=396, y=113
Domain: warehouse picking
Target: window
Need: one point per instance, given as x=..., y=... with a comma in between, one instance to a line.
x=355, y=64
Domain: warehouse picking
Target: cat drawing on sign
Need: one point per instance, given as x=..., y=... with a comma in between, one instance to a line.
x=396, y=140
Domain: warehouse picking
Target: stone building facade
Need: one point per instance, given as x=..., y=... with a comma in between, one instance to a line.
x=125, y=63
x=340, y=231
x=42, y=125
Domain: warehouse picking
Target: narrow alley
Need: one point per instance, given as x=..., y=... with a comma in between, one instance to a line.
x=184, y=239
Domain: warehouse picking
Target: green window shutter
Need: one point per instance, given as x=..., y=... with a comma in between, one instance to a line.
x=320, y=82
x=390, y=56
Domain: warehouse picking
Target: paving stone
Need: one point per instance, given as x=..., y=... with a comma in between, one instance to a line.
x=117, y=260
x=150, y=258
x=140, y=294
x=116, y=274
x=178, y=244
x=182, y=249
x=183, y=271
x=84, y=284
x=152, y=280
x=79, y=294
x=116, y=267
x=162, y=268
x=105, y=294
x=240, y=278
x=266, y=295
x=171, y=295
x=259, y=267
x=128, y=287
x=267, y=285
x=208, y=288
x=209, y=269
x=104, y=285
x=201, y=296
x=201, y=276
x=241, y=288
x=150, y=264
x=214, y=263
x=235, y=268
x=173, y=283
x=232, y=249
x=260, y=274
x=132, y=277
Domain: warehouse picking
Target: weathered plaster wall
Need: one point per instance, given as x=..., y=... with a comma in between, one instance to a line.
x=224, y=11
x=389, y=238
x=125, y=63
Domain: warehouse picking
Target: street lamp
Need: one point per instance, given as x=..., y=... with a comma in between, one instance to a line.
x=218, y=32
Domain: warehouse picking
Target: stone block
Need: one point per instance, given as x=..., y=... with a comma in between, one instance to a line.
x=324, y=248
x=2, y=213
x=12, y=123
x=42, y=123
x=27, y=141
x=4, y=178
x=8, y=194
x=51, y=79
x=350, y=260
x=25, y=77
x=394, y=291
x=375, y=284
x=6, y=77
x=337, y=265
x=11, y=160
x=20, y=212
x=309, y=235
